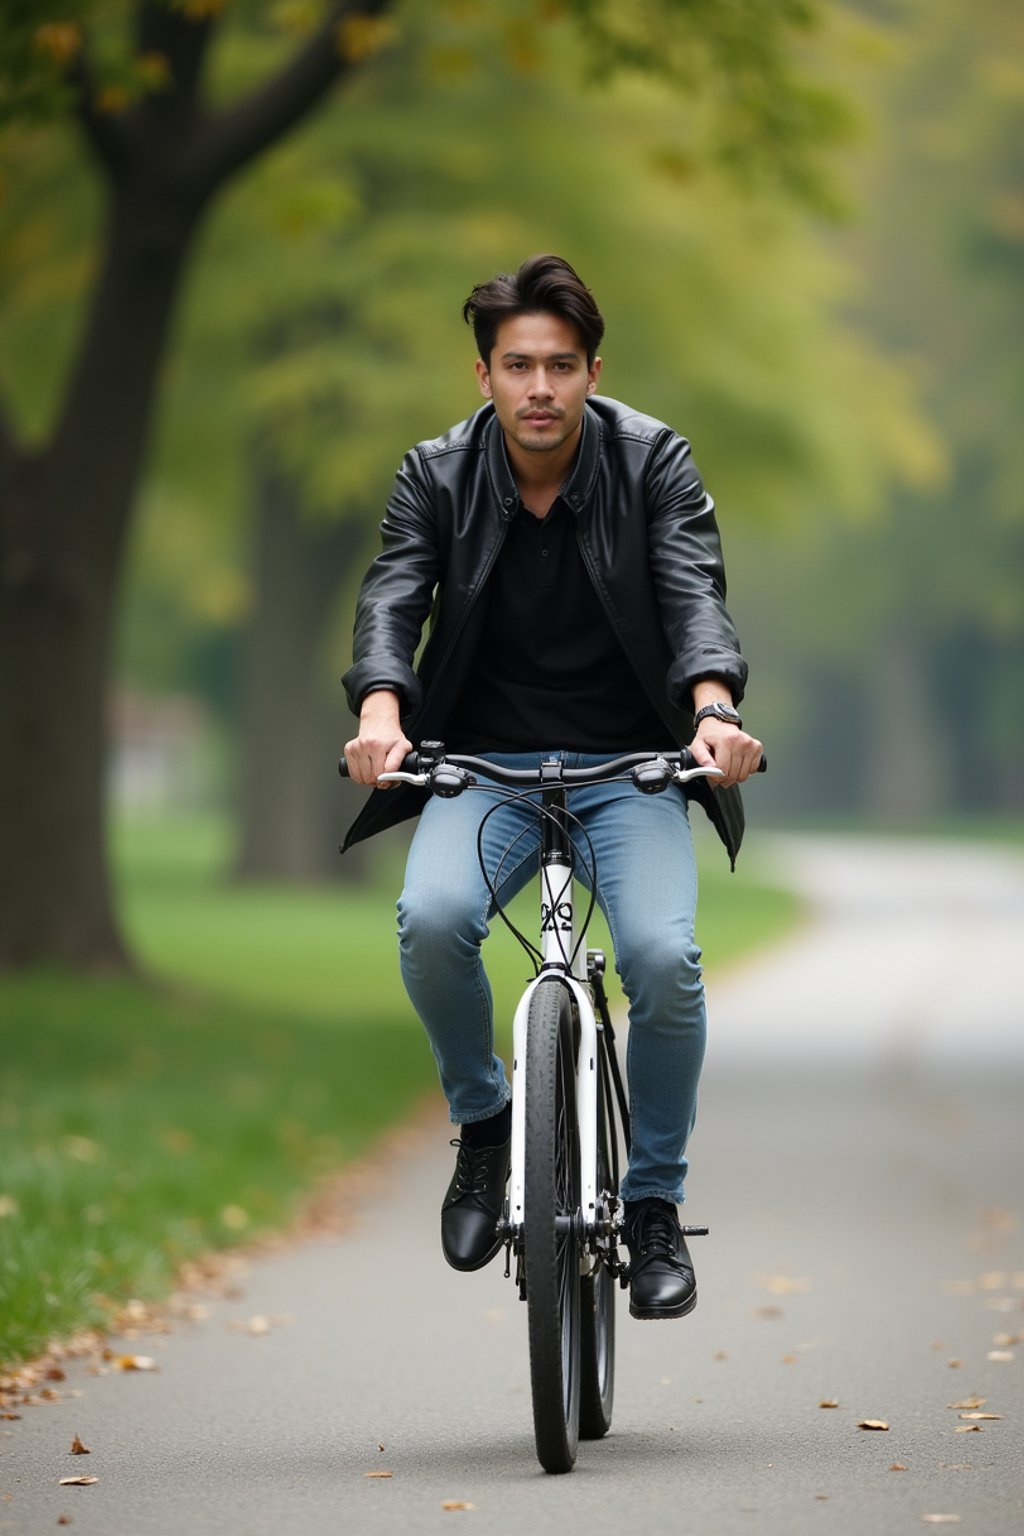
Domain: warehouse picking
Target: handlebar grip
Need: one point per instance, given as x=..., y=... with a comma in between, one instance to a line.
x=410, y=764
x=762, y=766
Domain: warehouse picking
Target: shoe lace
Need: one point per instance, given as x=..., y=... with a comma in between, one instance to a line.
x=654, y=1235
x=472, y=1168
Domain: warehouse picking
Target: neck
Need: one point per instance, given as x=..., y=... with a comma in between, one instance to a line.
x=539, y=473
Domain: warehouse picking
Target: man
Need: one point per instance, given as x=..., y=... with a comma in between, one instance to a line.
x=571, y=558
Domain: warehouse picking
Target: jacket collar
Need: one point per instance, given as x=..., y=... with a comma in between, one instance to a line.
x=577, y=488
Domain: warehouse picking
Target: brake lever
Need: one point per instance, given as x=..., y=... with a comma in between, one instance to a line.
x=420, y=780
x=684, y=775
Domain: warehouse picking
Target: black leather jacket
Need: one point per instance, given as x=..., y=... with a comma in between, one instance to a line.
x=647, y=534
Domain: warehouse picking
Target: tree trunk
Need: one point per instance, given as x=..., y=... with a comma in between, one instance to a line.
x=63, y=518
x=907, y=759
x=294, y=722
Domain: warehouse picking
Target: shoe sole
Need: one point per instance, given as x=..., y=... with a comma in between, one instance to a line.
x=658, y=1314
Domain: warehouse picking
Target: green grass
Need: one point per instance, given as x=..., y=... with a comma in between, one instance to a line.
x=144, y=1123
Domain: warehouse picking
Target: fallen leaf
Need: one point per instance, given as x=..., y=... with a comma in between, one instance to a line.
x=829, y=1402
x=940, y=1519
x=78, y=1449
x=1004, y=1340
x=379, y=1446
x=967, y=1429
x=822, y=1498
x=872, y=1424
x=720, y=1354
x=897, y=1466
x=769, y=1313
x=789, y=1360
x=54, y=1373
x=64, y=1520
x=136, y=1363
x=255, y=1326
x=954, y=1365
x=981, y=1415
x=995, y=1280
x=78, y=1482
x=1000, y=1356
x=457, y=1504
x=969, y=1402
x=378, y=1474
x=781, y=1285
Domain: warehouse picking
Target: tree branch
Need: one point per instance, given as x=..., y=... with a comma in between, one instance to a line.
x=105, y=132
x=242, y=131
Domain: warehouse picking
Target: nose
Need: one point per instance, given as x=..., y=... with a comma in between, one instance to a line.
x=540, y=387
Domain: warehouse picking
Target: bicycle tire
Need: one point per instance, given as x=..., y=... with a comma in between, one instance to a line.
x=597, y=1309
x=552, y=1190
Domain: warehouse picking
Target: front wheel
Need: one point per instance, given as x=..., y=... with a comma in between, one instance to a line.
x=551, y=1225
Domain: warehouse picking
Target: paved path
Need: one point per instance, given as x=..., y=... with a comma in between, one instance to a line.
x=859, y=1159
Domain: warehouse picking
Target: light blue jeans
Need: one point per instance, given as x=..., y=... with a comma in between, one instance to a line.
x=647, y=889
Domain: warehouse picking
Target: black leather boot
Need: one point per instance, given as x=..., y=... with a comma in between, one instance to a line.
x=472, y=1207
x=661, y=1278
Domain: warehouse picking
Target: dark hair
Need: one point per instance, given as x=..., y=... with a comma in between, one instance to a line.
x=543, y=284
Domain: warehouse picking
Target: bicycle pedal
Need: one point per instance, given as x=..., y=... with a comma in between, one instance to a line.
x=695, y=1231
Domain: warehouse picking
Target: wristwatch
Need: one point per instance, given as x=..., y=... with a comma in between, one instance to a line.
x=717, y=711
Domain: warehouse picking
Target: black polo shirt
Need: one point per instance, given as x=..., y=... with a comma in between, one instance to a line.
x=549, y=671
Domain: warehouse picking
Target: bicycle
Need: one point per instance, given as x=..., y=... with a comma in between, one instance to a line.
x=562, y=1217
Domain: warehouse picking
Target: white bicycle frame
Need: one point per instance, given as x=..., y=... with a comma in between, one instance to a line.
x=558, y=943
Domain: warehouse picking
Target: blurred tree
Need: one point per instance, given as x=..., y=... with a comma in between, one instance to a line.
x=732, y=333
x=164, y=151
x=911, y=701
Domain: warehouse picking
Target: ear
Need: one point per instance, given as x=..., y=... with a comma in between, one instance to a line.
x=593, y=376
x=483, y=379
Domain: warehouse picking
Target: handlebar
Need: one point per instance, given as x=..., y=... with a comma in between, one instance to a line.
x=650, y=771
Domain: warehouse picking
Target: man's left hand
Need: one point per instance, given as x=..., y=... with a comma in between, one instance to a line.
x=718, y=744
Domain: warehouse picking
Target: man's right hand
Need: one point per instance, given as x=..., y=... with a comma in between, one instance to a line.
x=381, y=744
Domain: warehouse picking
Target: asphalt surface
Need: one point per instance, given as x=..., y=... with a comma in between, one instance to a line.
x=859, y=1161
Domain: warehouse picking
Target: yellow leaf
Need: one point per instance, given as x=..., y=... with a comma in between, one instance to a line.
x=967, y=1429
x=969, y=1402
x=359, y=37
x=457, y=1504
x=872, y=1424
x=1000, y=1356
x=981, y=1415
x=60, y=40
x=78, y=1449
x=378, y=1474
x=829, y=1402
x=78, y=1482
x=136, y=1363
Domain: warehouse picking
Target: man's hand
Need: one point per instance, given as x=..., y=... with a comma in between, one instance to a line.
x=720, y=745
x=381, y=744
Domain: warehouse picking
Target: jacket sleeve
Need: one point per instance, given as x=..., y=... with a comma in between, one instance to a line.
x=396, y=593
x=689, y=575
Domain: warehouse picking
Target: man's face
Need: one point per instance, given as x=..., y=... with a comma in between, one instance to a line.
x=539, y=380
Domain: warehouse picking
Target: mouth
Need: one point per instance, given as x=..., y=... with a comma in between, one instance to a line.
x=539, y=418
